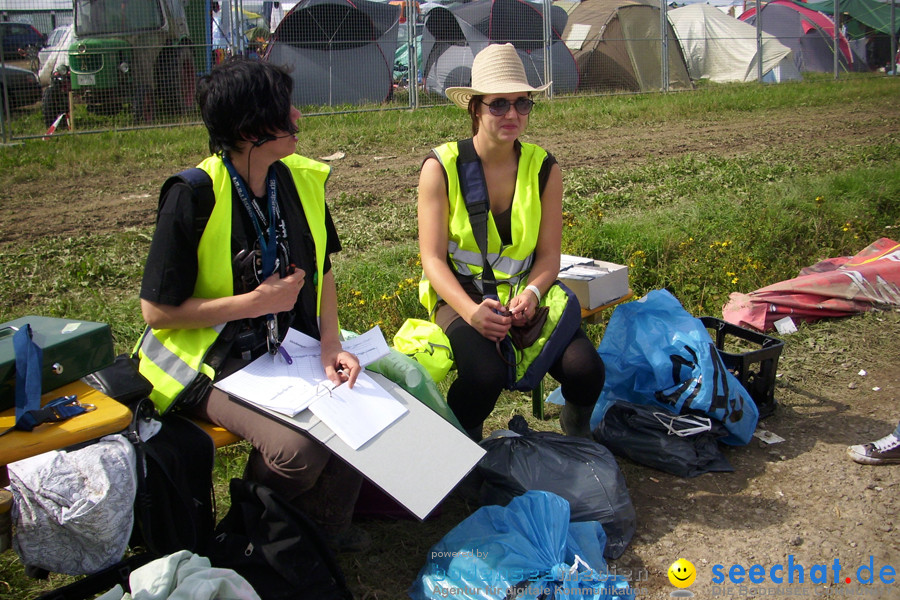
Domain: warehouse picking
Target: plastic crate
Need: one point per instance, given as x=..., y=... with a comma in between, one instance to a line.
x=755, y=368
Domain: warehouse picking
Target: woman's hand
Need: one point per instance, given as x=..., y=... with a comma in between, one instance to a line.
x=522, y=307
x=340, y=366
x=488, y=322
x=272, y=296
x=278, y=294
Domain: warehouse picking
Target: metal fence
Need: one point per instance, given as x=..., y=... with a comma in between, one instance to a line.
x=98, y=65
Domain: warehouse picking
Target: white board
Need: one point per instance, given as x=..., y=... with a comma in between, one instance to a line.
x=417, y=461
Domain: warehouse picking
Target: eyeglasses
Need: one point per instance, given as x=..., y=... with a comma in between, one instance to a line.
x=500, y=106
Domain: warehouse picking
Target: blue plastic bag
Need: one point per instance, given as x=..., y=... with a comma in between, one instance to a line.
x=527, y=544
x=656, y=353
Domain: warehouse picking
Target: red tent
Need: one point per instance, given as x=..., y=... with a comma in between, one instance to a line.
x=811, y=21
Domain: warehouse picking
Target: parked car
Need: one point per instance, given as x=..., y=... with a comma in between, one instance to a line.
x=19, y=36
x=56, y=52
x=20, y=86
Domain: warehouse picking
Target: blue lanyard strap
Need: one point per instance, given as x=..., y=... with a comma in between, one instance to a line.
x=267, y=244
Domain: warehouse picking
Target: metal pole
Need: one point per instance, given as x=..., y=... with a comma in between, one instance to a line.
x=239, y=30
x=548, y=50
x=837, y=36
x=4, y=101
x=664, y=44
x=412, y=46
x=893, y=41
x=759, y=45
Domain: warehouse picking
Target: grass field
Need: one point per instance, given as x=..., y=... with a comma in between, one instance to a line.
x=728, y=188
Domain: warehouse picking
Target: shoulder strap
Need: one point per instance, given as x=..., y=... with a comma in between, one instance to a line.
x=204, y=197
x=473, y=188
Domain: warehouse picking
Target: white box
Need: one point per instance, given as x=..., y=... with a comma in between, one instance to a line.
x=594, y=282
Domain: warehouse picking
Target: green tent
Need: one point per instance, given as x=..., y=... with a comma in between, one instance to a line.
x=874, y=14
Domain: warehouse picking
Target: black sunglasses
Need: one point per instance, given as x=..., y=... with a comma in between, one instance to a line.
x=500, y=106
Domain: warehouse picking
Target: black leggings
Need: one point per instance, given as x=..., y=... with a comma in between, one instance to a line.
x=481, y=373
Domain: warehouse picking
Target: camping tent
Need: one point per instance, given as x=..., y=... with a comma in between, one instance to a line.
x=874, y=14
x=617, y=46
x=807, y=32
x=453, y=35
x=721, y=48
x=868, y=24
x=338, y=51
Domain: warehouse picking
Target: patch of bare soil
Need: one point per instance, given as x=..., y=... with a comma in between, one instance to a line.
x=124, y=198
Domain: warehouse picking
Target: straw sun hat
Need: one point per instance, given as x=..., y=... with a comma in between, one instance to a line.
x=496, y=70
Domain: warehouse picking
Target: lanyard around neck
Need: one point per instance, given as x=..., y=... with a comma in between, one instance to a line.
x=267, y=244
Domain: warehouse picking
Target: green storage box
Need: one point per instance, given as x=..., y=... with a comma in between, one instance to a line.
x=71, y=350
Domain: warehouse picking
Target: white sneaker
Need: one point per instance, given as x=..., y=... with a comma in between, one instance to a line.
x=885, y=451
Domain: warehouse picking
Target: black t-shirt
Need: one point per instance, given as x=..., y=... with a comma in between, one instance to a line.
x=171, y=270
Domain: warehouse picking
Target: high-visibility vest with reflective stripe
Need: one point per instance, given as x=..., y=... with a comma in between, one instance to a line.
x=511, y=263
x=172, y=359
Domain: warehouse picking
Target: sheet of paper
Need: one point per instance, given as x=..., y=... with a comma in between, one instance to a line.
x=567, y=261
x=368, y=347
x=357, y=415
x=270, y=382
x=273, y=383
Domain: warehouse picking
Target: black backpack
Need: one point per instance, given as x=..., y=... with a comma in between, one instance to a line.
x=275, y=547
x=175, y=507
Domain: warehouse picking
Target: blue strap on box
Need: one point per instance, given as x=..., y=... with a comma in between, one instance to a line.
x=29, y=360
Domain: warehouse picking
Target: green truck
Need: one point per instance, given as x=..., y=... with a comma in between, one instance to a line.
x=145, y=54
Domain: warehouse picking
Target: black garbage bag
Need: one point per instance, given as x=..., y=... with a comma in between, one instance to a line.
x=634, y=431
x=578, y=469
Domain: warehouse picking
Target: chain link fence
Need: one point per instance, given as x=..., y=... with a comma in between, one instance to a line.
x=100, y=65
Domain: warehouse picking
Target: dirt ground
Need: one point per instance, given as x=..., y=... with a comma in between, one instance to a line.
x=801, y=500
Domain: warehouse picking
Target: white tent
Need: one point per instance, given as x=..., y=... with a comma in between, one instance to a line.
x=721, y=48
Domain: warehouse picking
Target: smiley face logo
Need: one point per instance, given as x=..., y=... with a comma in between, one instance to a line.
x=682, y=573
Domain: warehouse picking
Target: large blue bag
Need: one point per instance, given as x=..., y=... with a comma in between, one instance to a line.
x=526, y=549
x=656, y=353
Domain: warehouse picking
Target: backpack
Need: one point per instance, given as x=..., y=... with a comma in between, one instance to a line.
x=275, y=547
x=174, y=508
x=201, y=185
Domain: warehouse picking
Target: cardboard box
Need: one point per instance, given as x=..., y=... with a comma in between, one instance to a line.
x=594, y=282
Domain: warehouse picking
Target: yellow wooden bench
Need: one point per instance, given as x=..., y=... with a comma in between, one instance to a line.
x=220, y=436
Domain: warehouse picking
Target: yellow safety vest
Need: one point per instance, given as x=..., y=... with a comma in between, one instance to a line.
x=511, y=264
x=174, y=360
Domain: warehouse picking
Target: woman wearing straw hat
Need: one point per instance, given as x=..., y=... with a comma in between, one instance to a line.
x=524, y=190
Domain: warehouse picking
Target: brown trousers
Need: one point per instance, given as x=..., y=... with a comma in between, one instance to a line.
x=290, y=462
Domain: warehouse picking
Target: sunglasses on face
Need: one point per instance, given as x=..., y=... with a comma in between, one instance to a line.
x=500, y=106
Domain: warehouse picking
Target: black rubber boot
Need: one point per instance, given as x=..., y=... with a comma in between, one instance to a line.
x=576, y=420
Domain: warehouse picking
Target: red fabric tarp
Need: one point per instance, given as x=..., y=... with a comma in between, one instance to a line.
x=835, y=287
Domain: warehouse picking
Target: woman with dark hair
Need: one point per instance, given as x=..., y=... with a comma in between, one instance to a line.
x=219, y=295
x=524, y=188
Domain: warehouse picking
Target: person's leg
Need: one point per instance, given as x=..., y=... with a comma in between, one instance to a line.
x=581, y=373
x=885, y=451
x=291, y=463
x=481, y=376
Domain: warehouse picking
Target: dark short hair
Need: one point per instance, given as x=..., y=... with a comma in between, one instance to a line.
x=244, y=99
